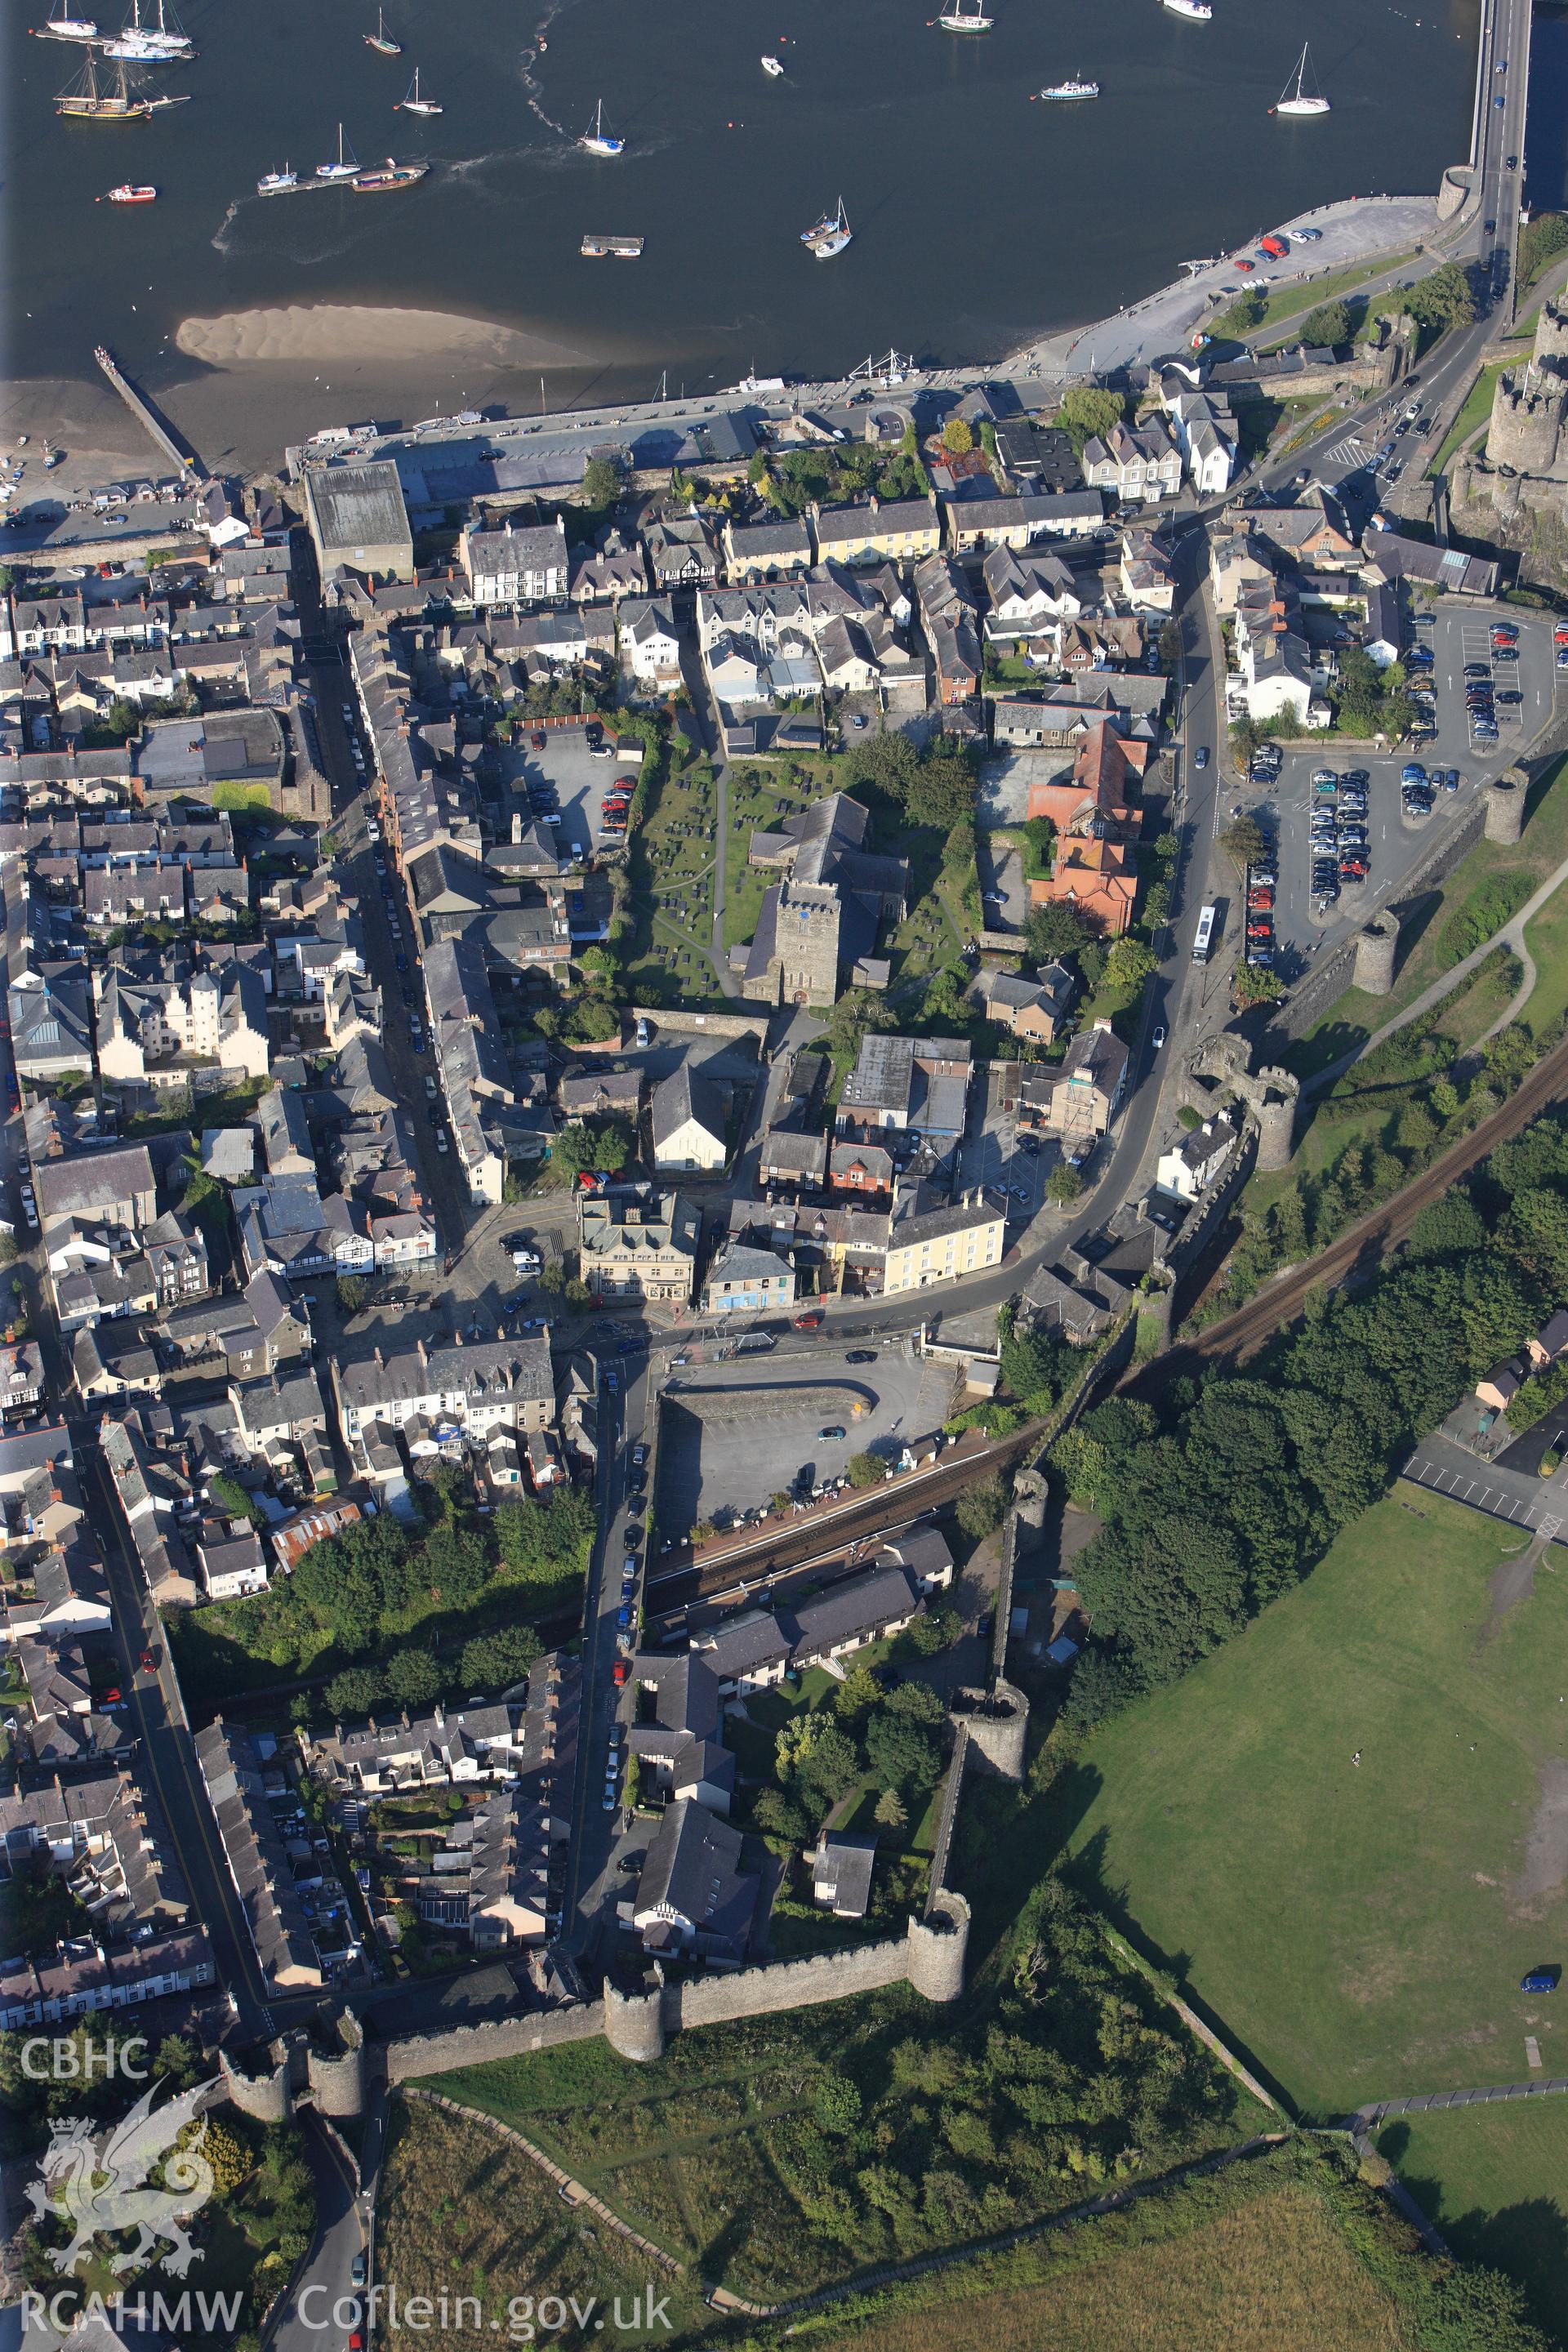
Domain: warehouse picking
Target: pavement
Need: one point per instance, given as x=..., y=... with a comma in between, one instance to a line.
x=1487, y=1486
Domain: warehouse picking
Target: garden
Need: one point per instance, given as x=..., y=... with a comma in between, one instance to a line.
x=381, y=1613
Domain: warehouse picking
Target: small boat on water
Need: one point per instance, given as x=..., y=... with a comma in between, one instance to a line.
x=388, y=176
x=620, y=248
x=1198, y=10
x=1069, y=89
x=276, y=184
x=346, y=166
x=415, y=104
x=772, y=66
x=958, y=19
x=378, y=40
x=67, y=29
x=594, y=139
x=1297, y=100
x=128, y=193
x=829, y=235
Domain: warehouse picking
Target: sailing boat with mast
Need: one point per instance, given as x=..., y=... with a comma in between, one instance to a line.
x=85, y=101
x=593, y=138
x=1297, y=101
x=151, y=44
x=830, y=234
x=956, y=18
x=346, y=166
x=379, y=41
x=415, y=104
x=66, y=28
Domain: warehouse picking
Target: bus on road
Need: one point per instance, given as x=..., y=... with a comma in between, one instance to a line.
x=1202, y=939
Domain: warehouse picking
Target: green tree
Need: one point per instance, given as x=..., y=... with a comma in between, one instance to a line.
x=1243, y=842
x=830, y=1766
x=358, y=1690
x=494, y=1661
x=857, y=1694
x=415, y=1677
x=902, y=1754
x=864, y=1469
x=230, y=1497
x=1063, y=1184
x=1328, y=324
x=1088, y=413
x=956, y=437
x=836, y=2104
x=1444, y=298
x=980, y=1509
x=891, y=1810
x=1129, y=963
x=1253, y=984
x=352, y=1291
x=601, y=483
x=858, y=1012
x=942, y=791
x=1053, y=931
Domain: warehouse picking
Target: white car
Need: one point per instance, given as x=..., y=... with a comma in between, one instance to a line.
x=1158, y=1039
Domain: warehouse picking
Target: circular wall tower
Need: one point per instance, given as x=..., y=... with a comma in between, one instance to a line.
x=938, y=1946
x=634, y=2023
x=1375, y=949
x=1505, y=806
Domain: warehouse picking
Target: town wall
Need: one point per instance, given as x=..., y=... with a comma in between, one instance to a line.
x=500, y=2037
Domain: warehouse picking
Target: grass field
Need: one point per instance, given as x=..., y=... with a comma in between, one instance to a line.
x=1272, y=2275
x=1495, y=2181
x=1477, y=409
x=1360, y=1929
x=462, y=2214
x=1295, y=301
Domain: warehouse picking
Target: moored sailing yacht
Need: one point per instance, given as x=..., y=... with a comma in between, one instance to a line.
x=67, y=29
x=276, y=183
x=593, y=138
x=87, y=103
x=346, y=166
x=955, y=19
x=1297, y=101
x=828, y=235
x=151, y=44
x=388, y=176
x=379, y=41
x=415, y=104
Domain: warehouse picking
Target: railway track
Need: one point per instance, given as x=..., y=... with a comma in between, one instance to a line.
x=683, y=1585
x=1280, y=1302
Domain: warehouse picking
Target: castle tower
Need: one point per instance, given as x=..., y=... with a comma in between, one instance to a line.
x=1505, y=806
x=1274, y=1110
x=337, y=2081
x=1375, y=949
x=938, y=1946
x=634, y=2023
x=999, y=1729
x=1529, y=430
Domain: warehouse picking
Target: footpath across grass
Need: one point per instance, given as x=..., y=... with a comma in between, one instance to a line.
x=1338, y=1830
x=1495, y=2181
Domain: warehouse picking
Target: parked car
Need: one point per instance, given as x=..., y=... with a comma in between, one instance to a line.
x=861, y=1356
x=832, y=1430
x=1200, y=756
x=810, y=1321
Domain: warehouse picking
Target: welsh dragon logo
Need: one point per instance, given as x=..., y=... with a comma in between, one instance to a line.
x=103, y=2192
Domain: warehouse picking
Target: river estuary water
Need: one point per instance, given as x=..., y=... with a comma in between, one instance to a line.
x=979, y=217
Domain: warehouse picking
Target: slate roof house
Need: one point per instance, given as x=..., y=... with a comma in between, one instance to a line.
x=692, y=1896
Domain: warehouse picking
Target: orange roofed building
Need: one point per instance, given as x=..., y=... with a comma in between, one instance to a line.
x=1098, y=823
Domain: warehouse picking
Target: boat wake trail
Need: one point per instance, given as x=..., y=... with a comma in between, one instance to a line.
x=220, y=241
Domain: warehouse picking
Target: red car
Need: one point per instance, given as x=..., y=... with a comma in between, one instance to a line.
x=1260, y=899
x=621, y=1671
x=1248, y=267
x=812, y=1322
x=149, y=1664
